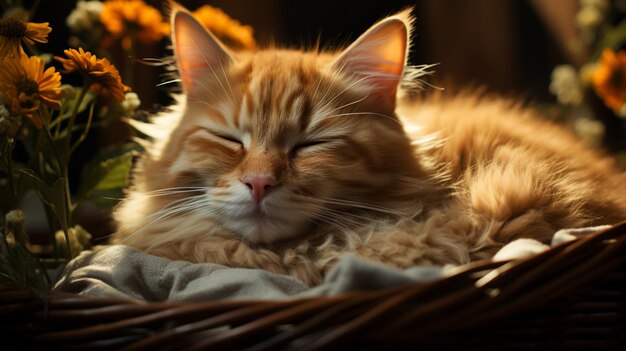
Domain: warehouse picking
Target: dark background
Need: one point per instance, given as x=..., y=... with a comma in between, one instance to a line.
x=506, y=46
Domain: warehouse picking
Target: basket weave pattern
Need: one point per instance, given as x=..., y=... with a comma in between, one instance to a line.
x=572, y=296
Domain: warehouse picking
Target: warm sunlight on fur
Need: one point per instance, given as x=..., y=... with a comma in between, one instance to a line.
x=285, y=160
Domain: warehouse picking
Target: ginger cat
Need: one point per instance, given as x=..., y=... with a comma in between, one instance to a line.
x=286, y=160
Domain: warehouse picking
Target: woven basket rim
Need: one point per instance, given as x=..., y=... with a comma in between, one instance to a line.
x=476, y=295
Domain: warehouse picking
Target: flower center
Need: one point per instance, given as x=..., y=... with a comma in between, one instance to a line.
x=28, y=94
x=27, y=86
x=617, y=78
x=12, y=28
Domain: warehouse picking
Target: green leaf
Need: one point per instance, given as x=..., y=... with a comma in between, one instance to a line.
x=52, y=196
x=68, y=106
x=102, y=179
x=612, y=37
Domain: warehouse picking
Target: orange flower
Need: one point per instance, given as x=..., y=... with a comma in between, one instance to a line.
x=231, y=31
x=24, y=85
x=609, y=79
x=12, y=31
x=132, y=17
x=97, y=71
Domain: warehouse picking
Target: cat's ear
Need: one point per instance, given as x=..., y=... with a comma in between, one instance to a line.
x=198, y=52
x=378, y=56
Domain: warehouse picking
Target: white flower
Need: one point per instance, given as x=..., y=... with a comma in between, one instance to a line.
x=589, y=17
x=4, y=112
x=47, y=58
x=69, y=92
x=84, y=16
x=131, y=103
x=566, y=85
x=591, y=14
x=125, y=108
x=79, y=240
x=590, y=130
x=600, y=4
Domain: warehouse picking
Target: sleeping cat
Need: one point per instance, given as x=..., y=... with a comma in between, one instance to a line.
x=286, y=160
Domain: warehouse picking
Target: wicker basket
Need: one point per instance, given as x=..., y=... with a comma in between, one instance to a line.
x=572, y=296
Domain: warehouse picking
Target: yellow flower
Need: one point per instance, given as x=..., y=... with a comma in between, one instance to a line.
x=233, y=33
x=24, y=85
x=13, y=30
x=609, y=78
x=100, y=72
x=124, y=18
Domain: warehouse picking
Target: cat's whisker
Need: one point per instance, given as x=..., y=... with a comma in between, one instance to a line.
x=160, y=192
x=320, y=101
x=178, y=80
x=346, y=89
x=333, y=222
x=338, y=212
x=177, y=189
x=170, y=206
x=339, y=71
x=348, y=104
x=232, y=92
x=319, y=82
x=174, y=205
x=210, y=66
x=363, y=219
x=220, y=81
x=189, y=204
x=202, y=102
x=363, y=205
x=357, y=205
x=206, y=89
x=153, y=61
x=309, y=208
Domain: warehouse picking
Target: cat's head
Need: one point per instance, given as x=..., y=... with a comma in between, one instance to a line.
x=279, y=141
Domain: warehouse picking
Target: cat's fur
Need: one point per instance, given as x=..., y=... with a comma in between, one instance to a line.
x=435, y=180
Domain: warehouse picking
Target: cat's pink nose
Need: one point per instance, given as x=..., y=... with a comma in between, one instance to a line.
x=259, y=185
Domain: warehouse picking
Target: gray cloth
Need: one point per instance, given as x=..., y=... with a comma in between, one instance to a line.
x=120, y=271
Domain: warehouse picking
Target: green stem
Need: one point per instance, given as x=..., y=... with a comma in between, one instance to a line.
x=69, y=207
x=10, y=175
x=70, y=125
x=61, y=169
x=46, y=128
x=12, y=179
x=86, y=130
x=68, y=144
x=57, y=121
x=57, y=129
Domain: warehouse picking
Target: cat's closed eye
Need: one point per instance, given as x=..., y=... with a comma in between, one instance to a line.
x=227, y=138
x=308, y=144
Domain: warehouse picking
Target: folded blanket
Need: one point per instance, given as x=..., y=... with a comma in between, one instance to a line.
x=124, y=272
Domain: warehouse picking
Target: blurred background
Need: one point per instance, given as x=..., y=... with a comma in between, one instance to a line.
x=507, y=47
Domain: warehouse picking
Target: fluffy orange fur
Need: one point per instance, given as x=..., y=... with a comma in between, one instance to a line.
x=435, y=180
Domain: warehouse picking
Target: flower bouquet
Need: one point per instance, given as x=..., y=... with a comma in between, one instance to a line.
x=43, y=122
x=593, y=94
